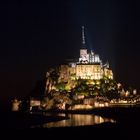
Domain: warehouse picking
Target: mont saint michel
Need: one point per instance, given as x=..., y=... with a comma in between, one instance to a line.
x=78, y=94
x=81, y=84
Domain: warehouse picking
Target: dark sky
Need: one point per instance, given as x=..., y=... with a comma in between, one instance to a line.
x=37, y=35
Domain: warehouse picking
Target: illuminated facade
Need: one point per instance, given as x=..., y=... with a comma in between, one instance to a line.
x=84, y=70
x=88, y=71
x=89, y=66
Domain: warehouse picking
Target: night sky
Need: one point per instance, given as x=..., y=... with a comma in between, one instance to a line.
x=37, y=35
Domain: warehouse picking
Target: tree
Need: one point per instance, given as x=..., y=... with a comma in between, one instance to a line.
x=60, y=86
x=52, y=79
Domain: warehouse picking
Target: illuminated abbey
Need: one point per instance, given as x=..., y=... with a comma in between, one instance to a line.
x=89, y=66
x=84, y=84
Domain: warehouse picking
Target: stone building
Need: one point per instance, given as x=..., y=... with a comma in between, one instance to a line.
x=89, y=66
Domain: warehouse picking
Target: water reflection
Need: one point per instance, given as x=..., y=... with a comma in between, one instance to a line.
x=78, y=120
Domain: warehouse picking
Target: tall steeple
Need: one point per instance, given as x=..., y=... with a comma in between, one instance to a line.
x=83, y=37
x=83, y=51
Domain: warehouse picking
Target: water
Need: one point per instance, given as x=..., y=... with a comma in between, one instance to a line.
x=78, y=120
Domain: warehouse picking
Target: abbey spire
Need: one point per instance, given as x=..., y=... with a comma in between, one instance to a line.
x=83, y=36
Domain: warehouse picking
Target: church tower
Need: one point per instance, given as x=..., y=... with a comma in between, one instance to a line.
x=83, y=51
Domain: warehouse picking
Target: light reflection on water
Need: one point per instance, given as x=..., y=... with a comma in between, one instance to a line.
x=78, y=120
